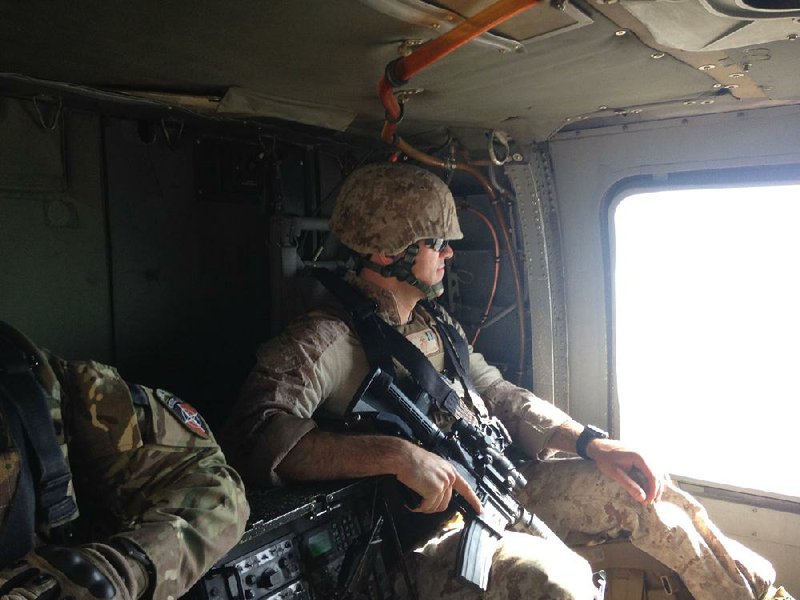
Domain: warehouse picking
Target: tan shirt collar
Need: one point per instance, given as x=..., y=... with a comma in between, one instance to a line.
x=387, y=303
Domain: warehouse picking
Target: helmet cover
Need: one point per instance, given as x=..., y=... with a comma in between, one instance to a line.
x=386, y=207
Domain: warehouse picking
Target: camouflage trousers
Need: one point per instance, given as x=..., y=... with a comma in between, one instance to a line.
x=572, y=496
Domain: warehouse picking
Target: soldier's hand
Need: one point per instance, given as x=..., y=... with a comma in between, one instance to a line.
x=435, y=480
x=91, y=572
x=641, y=479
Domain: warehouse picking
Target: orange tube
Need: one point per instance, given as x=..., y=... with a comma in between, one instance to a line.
x=466, y=31
x=496, y=276
x=400, y=71
x=432, y=161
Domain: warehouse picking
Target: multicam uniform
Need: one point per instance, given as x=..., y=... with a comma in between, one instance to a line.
x=319, y=362
x=144, y=468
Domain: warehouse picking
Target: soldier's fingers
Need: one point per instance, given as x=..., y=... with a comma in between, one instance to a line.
x=634, y=489
x=430, y=504
x=462, y=487
x=41, y=587
x=445, y=501
x=647, y=480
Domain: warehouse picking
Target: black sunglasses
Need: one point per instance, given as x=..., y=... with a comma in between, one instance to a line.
x=437, y=244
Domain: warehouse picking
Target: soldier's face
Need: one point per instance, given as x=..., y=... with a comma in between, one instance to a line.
x=429, y=264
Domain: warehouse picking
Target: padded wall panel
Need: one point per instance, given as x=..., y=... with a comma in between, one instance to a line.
x=190, y=274
x=53, y=262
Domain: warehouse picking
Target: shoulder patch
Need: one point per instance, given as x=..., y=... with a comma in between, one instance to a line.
x=184, y=412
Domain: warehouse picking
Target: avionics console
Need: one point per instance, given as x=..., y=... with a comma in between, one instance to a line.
x=295, y=545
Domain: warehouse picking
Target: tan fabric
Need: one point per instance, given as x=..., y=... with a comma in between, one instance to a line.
x=318, y=362
x=572, y=496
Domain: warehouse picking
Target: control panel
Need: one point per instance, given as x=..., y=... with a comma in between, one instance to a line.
x=295, y=546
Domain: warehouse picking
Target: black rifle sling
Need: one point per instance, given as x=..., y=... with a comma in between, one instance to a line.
x=52, y=477
x=363, y=312
x=455, y=345
x=382, y=342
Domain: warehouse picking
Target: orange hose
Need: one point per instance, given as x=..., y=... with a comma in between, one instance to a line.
x=468, y=30
x=493, y=290
x=432, y=161
x=403, y=69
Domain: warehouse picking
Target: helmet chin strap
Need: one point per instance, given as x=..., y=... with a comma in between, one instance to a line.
x=401, y=270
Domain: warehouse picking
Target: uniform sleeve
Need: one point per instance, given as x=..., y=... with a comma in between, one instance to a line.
x=530, y=420
x=315, y=358
x=147, y=468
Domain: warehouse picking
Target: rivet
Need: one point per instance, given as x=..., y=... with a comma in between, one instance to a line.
x=517, y=156
x=792, y=37
x=736, y=75
x=636, y=111
x=657, y=55
x=568, y=119
x=707, y=67
x=684, y=121
x=450, y=18
x=621, y=32
x=731, y=86
x=689, y=102
x=435, y=26
x=604, y=107
x=716, y=86
x=707, y=102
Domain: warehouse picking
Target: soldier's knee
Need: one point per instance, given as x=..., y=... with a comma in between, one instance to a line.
x=530, y=567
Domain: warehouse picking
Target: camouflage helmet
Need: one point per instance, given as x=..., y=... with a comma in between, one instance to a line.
x=386, y=207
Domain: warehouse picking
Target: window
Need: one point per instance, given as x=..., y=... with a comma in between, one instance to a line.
x=707, y=331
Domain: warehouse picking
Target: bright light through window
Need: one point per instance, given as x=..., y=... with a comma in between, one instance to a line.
x=707, y=292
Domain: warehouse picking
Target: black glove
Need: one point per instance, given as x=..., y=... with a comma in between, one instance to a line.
x=90, y=572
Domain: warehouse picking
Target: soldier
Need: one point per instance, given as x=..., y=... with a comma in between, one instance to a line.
x=398, y=220
x=143, y=504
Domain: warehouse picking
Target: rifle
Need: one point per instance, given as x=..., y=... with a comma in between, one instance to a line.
x=475, y=453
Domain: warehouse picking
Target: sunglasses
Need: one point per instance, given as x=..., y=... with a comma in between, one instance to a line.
x=437, y=244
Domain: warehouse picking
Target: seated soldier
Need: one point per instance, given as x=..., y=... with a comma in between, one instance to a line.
x=398, y=219
x=142, y=506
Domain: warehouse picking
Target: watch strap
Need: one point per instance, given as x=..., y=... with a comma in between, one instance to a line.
x=589, y=433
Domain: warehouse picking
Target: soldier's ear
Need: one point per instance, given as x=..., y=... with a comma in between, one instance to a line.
x=381, y=259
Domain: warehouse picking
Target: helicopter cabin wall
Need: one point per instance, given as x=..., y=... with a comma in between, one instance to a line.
x=141, y=240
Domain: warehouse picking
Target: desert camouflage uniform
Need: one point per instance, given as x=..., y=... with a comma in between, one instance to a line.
x=319, y=362
x=138, y=472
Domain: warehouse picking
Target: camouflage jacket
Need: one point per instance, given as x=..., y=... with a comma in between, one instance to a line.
x=319, y=361
x=144, y=466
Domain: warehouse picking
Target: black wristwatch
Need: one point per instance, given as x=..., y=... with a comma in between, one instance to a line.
x=589, y=433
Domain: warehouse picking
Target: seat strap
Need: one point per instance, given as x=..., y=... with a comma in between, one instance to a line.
x=51, y=476
x=16, y=531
